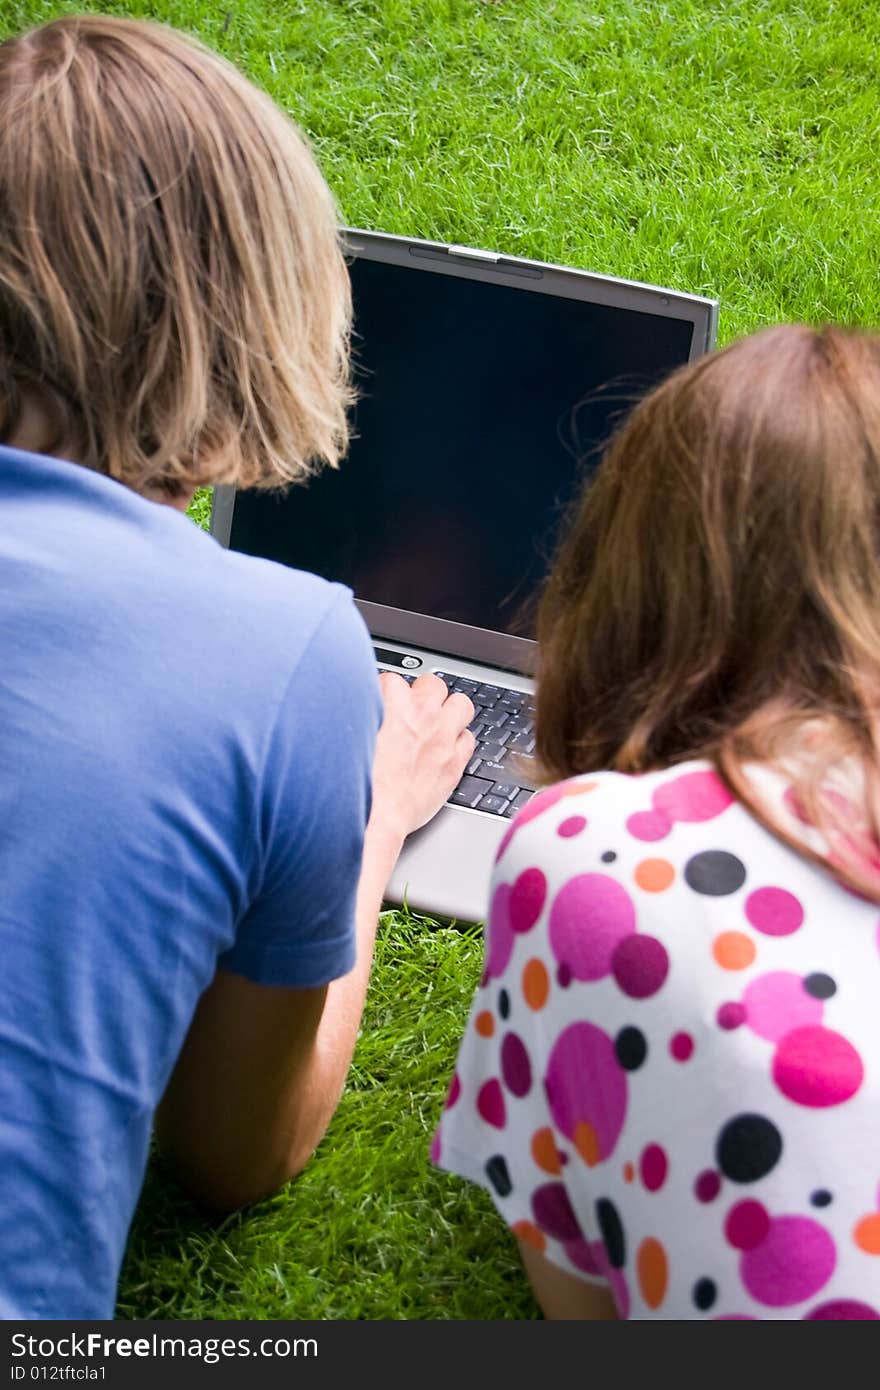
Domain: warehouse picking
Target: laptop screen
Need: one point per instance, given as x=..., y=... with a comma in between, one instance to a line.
x=482, y=408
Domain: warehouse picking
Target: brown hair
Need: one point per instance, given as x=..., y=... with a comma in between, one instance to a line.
x=171, y=283
x=718, y=594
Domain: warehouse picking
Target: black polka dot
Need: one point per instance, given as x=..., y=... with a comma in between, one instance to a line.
x=631, y=1047
x=499, y=1176
x=820, y=986
x=609, y=856
x=715, y=873
x=705, y=1294
x=563, y=975
x=612, y=1232
x=748, y=1148
x=821, y=1197
x=504, y=1004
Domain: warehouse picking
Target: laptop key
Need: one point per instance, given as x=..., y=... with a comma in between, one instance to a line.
x=498, y=771
x=517, y=722
x=491, y=752
x=512, y=699
x=475, y=763
x=506, y=790
x=523, y=742
x=488, y=694
x=469, y=791
x=495, y=718
x=522, y=800
x=496, y=804
x=466, y=687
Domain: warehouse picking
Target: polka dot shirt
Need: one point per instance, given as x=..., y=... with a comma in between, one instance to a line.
x=670, y=1079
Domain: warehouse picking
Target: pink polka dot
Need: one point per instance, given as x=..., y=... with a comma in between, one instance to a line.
x=817, y=1067
x=653, y=1166
x=777, y=1002
x=590, y=915
x=697, y=796
x=435, y=1148
x=681, y=1046
x=616, y=1281
x=619, y=1292
x=490, y=1104
x=582, y=1255
x=501, y=938
x=877, y=937
x=516, y=1067
x=553, y=1212
x=454, y=1091
x=539, y=803
x=649, y=825
x=793, y=1262
x=640, y=966
x=572, y=826
x=843, y=1310
x=585, y=1084
x=527, y=900
x=730, y=1016
x=774, y=911
x=747, y=1224
x=707, y=1185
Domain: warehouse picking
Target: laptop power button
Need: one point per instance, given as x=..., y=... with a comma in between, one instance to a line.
x=403, y=659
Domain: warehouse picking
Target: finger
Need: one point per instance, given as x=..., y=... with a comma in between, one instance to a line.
x=465, y=746
x=393, y=687
x=430, y=689
x=458, y=710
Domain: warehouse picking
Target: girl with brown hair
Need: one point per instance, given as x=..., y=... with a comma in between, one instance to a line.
x=670, y=1080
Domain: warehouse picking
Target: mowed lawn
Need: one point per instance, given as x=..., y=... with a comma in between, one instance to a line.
x=726, y=147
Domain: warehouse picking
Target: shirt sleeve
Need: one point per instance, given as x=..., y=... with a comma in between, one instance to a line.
x=503, y=1128
x=299, y=929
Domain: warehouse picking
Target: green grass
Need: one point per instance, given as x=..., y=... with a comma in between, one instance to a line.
x=727, y=147
x=369, y=1230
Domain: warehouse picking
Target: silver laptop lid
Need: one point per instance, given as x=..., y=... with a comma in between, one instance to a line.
x=487, y=386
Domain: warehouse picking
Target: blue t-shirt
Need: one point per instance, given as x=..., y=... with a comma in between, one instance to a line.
x=186, y=736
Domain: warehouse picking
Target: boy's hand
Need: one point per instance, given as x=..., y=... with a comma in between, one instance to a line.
x=423, y=748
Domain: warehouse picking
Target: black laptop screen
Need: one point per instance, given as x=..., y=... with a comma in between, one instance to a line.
x=481, y=411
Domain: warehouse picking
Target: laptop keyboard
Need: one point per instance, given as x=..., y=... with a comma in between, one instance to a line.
x=500, y=777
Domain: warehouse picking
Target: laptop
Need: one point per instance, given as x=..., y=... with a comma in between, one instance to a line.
x=487, y=387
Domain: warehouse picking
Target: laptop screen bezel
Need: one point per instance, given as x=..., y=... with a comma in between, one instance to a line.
x=430, y=257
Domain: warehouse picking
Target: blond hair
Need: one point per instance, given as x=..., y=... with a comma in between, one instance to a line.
x=718, y=595
x=172, y=287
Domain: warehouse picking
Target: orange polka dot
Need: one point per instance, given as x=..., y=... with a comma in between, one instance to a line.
x=653, y=1271
x=867, y=1234
x=578, y=788
x=535, y=984
x=529, y=1234
x=654, y=875
x=629, y=1172
x=544, y=1151
x=484, y=1024
x=586, y=1141
x=733, y=950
